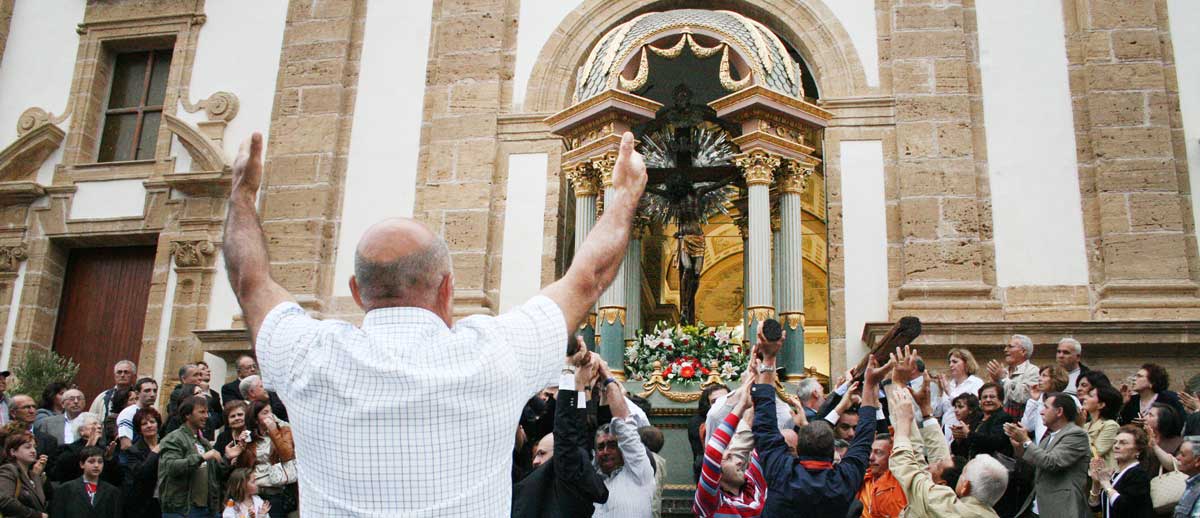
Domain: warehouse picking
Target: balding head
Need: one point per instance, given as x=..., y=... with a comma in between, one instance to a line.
x=400, y=262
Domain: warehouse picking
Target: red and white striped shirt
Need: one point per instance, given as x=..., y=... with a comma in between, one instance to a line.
x=711, y=500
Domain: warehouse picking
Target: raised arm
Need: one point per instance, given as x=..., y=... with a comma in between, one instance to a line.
x=597, y=260
x=245, y=245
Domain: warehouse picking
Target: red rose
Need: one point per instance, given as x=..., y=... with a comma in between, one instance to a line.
x=687, y=372
x=704, y=371
x=667, y=370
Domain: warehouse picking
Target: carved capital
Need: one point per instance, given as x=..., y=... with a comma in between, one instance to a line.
x=793, y=178
x=191, y=253
x=757, y=166
x=743, y=225
x=604, y=165
x=11, y=257
x=583, y=179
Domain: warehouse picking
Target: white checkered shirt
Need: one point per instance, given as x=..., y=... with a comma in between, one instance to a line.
x=405, y=417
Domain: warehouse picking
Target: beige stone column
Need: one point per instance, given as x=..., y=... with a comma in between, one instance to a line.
x=6, y=12
x=946, y=261
x=309, y=145
x=1132, y=163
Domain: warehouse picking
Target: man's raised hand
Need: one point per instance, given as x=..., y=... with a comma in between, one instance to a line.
x=247, y=167
x=629, y=173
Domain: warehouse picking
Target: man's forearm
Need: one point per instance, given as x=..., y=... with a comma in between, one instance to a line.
x=600, y=255
x=245, y=246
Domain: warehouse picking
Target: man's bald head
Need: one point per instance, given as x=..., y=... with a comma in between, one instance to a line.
x=400, y=262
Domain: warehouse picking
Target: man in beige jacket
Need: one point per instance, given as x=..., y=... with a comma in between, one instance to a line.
x=983, y=479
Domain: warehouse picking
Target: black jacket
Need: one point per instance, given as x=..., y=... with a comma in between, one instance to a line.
x=566, y=485
x=141, y=477
x=71, y=501
x=232, y=391
x=66, y=467
x=1130, y=411
x=1134, y=488
x=987, y=437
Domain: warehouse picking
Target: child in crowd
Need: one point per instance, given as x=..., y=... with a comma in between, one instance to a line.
x=243, y=497
x=87, y=495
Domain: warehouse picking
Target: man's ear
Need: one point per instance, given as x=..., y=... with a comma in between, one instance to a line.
x=354, y=292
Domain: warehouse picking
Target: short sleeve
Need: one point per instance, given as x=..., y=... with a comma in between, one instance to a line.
x=283, y=340
x=125, y=423
x=537, y=333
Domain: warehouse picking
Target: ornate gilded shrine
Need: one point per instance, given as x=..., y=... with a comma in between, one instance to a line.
x=719, y=107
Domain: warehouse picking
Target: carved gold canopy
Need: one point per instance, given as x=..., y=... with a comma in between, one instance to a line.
x=751, y=54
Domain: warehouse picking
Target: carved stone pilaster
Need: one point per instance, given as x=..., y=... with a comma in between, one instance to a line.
x=757, y=166
x=11, y=257
x=192, y=253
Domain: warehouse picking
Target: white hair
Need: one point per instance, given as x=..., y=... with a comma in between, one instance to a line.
x=133, y=366
x=808, y=387
x=246, y=384
x=1075, y=345
x=1026, y=344
x=988, y=478
x=82, y=420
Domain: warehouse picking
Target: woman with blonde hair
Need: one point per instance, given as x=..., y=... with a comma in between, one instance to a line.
x=959, y=379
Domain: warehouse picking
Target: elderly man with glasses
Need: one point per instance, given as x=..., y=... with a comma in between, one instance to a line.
x=62, y=426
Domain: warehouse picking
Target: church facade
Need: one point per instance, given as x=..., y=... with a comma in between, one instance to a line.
x=990, y=166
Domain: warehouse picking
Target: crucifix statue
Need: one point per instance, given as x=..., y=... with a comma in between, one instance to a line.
x=693, y=183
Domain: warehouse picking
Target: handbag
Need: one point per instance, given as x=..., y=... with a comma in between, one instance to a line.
x=1166, y=489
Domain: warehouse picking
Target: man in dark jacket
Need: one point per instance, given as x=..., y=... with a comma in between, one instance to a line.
x=811, y=484
x=87, y=496
x=563, y=482
x=246, y=366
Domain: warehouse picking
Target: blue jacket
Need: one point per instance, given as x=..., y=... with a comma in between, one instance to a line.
x=793, y=488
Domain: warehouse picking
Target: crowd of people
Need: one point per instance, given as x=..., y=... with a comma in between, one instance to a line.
x=226, y=454
x=1009, y=439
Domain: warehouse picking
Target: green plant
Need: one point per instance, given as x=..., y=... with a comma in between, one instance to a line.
x=39, y=368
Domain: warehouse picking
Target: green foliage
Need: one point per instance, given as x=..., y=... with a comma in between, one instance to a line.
x=39, y=368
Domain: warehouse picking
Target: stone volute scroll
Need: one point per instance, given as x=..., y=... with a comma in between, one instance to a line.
x=11, y=257
x=189, y=254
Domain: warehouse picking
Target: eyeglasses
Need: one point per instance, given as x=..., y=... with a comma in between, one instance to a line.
x=606, y=445
x=26, y=407
x=73, y=398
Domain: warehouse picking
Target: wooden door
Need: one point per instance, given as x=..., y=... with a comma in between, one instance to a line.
x=103, y=311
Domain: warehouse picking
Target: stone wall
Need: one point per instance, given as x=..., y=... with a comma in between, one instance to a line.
x=1132, y=163
x=471, y=59
x=309, y=142
x=6, y=12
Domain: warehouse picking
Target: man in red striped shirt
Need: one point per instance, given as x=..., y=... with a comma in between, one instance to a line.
x=729, y=486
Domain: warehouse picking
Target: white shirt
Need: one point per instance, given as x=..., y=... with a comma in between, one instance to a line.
x=125, y=422
x=631, y=487
x=69, y=428
x=944, y=405
x=404, y=416
x=1073, y=381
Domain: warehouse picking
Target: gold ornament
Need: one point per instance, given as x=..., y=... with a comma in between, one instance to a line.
x=757, y=166
x=583, y=179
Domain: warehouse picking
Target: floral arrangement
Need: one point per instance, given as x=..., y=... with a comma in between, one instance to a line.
x=687, y=353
